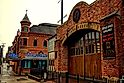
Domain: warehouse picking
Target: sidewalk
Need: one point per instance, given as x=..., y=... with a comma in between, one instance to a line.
x=8, y=76
x=38, y=79
x=28, y=79
x=23, y=79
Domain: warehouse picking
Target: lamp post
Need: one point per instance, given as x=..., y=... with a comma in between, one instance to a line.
x=61, y=11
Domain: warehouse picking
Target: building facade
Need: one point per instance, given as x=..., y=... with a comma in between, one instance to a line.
x=32, y=42
x=90, y=43
x=51, y=56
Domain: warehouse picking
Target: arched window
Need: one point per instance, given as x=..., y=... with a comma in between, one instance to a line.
x=25, y=29
x=25, y=41
x=88, y=43
x=35, y=42
x=40, y=52
x=45, y=43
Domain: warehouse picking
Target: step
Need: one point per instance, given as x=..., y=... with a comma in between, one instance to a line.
x=34, y=77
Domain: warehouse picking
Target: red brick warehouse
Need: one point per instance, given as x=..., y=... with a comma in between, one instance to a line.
x=90, y=43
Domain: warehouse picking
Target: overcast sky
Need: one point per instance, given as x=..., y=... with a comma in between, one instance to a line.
x=39, y=11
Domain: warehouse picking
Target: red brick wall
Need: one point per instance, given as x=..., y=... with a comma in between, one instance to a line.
x=89, y=13
x=40, y=40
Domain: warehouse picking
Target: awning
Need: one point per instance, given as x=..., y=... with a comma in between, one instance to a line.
x=36, y=56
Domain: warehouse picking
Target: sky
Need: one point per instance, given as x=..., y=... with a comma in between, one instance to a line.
x=39, y=11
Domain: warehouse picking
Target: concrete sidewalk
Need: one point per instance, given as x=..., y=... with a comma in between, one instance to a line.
x=8, y=76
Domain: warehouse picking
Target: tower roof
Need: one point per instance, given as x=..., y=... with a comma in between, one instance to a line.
x=26, y=17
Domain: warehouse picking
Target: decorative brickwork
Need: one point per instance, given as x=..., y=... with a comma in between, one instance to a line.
x=94, y=13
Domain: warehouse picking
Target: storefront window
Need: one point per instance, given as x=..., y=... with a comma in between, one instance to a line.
x=26, y=64
x=43, y=62
x=39, y=65
x=90, y=42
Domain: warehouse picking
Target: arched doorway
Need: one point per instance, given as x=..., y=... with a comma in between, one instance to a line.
x=84, y=58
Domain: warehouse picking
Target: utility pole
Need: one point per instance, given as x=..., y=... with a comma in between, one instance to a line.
x=61, y=11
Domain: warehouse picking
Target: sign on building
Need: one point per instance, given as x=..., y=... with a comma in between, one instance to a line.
x=108, y=41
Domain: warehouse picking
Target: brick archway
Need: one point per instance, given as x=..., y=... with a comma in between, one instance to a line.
x=81, y=26
x=79, y=64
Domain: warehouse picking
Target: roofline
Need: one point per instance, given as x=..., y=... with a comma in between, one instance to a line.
x=39, y=33
x=109, y=15
x=52, y=36
x=49, y=24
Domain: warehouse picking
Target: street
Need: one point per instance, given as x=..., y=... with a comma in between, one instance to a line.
x=7, y=76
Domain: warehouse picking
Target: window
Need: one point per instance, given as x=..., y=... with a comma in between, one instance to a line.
x=25, y=41
x=94, y=42
x=55, y=54
x=26, y=64
x=43, y=67
x=25, y=29
x=43, y=63
x=39, y=65
x=45, y=43
x=35, y=43
x=90, y=42
x=20, y=41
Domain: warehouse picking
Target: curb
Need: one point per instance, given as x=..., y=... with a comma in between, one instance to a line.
x=34, y=77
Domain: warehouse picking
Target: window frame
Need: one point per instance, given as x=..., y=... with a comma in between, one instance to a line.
x=90, y=44
x=25, y=29
x=45, y=44
x=25, y=41
x=35, y=42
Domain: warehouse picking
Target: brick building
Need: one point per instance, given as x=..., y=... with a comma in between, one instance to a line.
x=32, y=42
x=90, y=43
x=51, y=56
